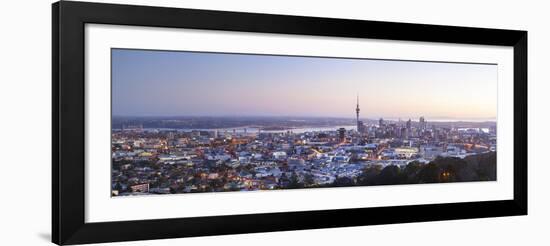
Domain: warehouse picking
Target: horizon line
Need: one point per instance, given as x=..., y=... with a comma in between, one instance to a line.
x=334, y=117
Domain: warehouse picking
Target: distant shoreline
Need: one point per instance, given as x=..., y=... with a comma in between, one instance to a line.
x=298, y=118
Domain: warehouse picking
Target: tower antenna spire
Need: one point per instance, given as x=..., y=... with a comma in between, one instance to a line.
x=357, y=107
x=357, y=114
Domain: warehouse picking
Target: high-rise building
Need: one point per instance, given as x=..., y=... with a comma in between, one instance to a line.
x=381, y=122
x=422, y=123
x=403, y=132
x=408, y=129
x=342, y=134
x=361, y=127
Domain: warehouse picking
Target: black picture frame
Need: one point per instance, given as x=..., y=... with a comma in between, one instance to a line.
x=68, y=107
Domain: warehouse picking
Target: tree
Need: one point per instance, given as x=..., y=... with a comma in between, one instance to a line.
x=368, y=176
x=294, y=182
x=118, y=187
x=172, y=190
x=411, y=171
x=308, y=180
x=343, y=182
x=390, y=175
x=484, y=165
x=233, y=186
x=429, y=174
x=453, y=169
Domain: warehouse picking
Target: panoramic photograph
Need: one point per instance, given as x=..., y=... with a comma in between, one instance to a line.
x=195, y=122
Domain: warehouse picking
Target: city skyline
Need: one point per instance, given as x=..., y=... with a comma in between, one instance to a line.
x=287, y=122
x=169, y=83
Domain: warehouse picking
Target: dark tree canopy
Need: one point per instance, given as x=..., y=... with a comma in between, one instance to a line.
x=443, y=169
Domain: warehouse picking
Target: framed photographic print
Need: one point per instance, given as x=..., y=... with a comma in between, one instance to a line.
x=175, y=122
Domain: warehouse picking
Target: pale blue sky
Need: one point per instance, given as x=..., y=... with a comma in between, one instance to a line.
x=170, y=83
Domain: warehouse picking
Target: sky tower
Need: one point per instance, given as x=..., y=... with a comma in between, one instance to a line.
x=357, y=111
x=360, y=126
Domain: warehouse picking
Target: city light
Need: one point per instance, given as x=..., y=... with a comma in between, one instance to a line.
x=147, y=159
